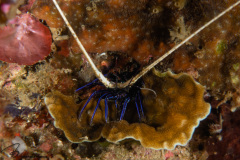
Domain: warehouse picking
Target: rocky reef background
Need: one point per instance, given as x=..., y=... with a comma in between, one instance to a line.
x=139, y=31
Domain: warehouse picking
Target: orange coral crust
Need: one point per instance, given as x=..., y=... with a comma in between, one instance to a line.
x=112, y=25
x=171, y=116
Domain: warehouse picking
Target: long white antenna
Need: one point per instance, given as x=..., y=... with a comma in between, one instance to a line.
x=145, y=70
x=98, y=74
x=109, y=84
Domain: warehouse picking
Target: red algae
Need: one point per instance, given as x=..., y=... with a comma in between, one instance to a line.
x=26, y=43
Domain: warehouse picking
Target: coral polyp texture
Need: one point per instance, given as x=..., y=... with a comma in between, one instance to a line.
x=171, y=114
x=25, y=41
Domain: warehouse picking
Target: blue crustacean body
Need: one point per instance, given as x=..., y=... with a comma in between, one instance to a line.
x=121, y=98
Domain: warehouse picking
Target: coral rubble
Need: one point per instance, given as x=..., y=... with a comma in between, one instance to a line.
x=8, y=10
x=225, y=144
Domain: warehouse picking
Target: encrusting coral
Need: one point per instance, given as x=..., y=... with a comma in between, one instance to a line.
x=132, y=27
x=64, y=110
x=171, y=115
x=213, y=54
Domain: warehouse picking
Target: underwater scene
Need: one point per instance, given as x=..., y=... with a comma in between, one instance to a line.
x=120, y=79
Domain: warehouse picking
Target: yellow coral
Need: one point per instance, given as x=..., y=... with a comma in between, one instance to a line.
x=64, y=110
x=171, y=115
x=174, y=113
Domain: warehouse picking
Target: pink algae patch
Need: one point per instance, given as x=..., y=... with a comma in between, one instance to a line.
x=25, y=41
x=168, y=155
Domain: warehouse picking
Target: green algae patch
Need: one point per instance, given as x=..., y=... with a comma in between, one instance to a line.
x=221, y=47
